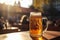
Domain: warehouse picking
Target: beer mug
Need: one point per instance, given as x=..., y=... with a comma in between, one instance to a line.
x=36, y=24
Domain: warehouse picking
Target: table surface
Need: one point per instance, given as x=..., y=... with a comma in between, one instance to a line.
x=25, y=35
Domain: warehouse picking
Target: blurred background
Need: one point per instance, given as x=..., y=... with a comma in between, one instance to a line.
x=14, y=14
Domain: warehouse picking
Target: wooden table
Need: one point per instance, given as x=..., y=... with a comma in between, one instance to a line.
x=25, y=35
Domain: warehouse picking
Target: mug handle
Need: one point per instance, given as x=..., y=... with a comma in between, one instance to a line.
x=46, y=24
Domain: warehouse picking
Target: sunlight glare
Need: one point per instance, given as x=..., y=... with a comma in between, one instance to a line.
x=18, y=36
x=9, y=2
x=13, y=36
x=24, y=3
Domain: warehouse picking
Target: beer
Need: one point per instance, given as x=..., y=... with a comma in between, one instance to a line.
x=35, y=25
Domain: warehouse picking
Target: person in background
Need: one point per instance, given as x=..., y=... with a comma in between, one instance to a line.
x=1, y=23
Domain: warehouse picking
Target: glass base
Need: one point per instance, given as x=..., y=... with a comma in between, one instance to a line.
x=34, y=35
x=38, y=38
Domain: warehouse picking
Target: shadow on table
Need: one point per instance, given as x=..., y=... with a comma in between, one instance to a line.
x=8, y=31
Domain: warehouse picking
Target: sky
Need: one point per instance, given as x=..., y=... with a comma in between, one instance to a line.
x=24, y=3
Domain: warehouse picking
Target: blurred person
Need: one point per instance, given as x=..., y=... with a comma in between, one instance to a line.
x=6, y=24
x=57, y=23
x=1, y=23
x=1, y=26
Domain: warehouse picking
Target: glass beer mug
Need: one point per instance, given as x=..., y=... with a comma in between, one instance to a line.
x=36, y=25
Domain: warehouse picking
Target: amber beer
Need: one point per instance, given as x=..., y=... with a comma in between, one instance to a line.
x=35, y=24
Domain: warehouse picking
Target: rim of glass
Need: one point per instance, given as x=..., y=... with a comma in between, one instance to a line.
x=35, y=14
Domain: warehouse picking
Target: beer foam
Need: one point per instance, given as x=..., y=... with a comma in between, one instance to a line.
x=35, y=14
